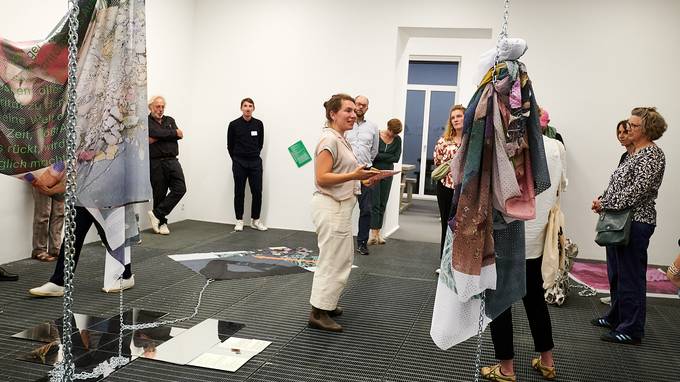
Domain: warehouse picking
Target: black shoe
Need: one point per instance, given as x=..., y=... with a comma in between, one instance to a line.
x=363, y=249
x=6, y=276
x=620, y=338
x=601, y=322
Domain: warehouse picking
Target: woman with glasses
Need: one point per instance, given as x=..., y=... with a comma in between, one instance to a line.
x=634, y=185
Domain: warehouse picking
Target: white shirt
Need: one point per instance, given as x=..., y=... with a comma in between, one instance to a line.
x=556, y=157
x=365, y=141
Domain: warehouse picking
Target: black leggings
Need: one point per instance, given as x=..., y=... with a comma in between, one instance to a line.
x=444, y=199
x=537, y=313
x=84, y=221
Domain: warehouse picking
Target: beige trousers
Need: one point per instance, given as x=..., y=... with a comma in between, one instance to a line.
x=333, y=222
x=48, y=220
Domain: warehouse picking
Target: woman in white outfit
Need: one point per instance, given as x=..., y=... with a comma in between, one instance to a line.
x=337, y=176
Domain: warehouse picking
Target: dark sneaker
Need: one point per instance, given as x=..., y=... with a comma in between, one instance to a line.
x=620, y=338
x=601, y=322
x=363, y=249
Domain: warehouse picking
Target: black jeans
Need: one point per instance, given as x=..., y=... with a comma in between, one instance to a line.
x=250, y=170
x=166, y=173
x=365, y=202
x=537, y=313
x=444, y=199
x=84, y=221
x=627, y=271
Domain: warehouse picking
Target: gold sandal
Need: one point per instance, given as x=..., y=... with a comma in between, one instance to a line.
x=493, y=373
x=548, y=372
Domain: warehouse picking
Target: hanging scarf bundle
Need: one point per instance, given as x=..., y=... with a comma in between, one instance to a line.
x=498, y=171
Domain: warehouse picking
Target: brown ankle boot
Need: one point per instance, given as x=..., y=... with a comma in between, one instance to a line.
x=336, y=312
x=319, y=319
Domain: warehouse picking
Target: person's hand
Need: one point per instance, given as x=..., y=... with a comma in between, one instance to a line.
x=596, y=206
x=58, y=188
x=49, y=177
x=152, y=140
x=180, y=134
x=360, y=173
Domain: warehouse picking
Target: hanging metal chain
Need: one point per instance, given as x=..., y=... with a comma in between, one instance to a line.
x=112, y=364
x=503, y=34
x=480, y=330
x=164, y=323
x=70, y=213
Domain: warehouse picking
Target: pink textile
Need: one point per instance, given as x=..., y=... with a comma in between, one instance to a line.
x=544, y=119
x=595, y=276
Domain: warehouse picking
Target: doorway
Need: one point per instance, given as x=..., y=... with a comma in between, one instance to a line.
x=431, y=90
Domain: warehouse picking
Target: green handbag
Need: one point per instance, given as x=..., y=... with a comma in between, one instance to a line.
x=613, y=227
x=440, y=172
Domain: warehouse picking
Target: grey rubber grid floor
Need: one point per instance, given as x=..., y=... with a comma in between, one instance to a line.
x=388, y=305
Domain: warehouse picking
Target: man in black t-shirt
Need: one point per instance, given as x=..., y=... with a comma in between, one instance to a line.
x=245, y=138
x=166, y=172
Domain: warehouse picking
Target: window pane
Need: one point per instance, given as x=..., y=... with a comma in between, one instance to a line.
x=413, y=133
x=433, y=73
x=440, y=104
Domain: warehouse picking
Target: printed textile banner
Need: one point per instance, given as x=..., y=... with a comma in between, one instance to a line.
x=112, y=133
x=112, y=149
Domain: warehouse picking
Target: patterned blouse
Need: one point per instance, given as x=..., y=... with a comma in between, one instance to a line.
x=444, y=151
x=635, y=184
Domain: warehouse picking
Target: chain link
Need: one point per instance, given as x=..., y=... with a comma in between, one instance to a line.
x=120, y=316
x=164, y=323
x=480, y=330
x=501, y=35
x=67, y=367
x=109, y=366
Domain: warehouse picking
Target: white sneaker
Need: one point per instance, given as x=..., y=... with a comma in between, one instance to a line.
x=257, y=224
x=155, y=223
x=164, y=230
x=438, y=270
x=124, y=284
x=49, y=289
x=239, y=225
x=606, y=300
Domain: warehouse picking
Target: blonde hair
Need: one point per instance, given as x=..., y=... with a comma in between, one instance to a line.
x=653, y=124
x=449, y=131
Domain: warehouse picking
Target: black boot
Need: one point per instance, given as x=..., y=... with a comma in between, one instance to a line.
x=319, y=319
x=7, y=276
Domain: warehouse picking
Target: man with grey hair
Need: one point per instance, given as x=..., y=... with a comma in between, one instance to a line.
x=165, y=170
x=364, y=139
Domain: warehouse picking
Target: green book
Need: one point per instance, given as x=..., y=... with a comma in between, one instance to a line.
x=299, y=153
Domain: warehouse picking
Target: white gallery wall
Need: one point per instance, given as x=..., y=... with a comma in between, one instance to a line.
x=590, y=63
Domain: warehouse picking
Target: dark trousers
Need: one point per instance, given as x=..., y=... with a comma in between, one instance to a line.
x=627, y=271
x=381, y=192
x=84, y=221
x=365, y=206
x=250, y=170
x=537, y=313
x=166, y=173
x=444, y=199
